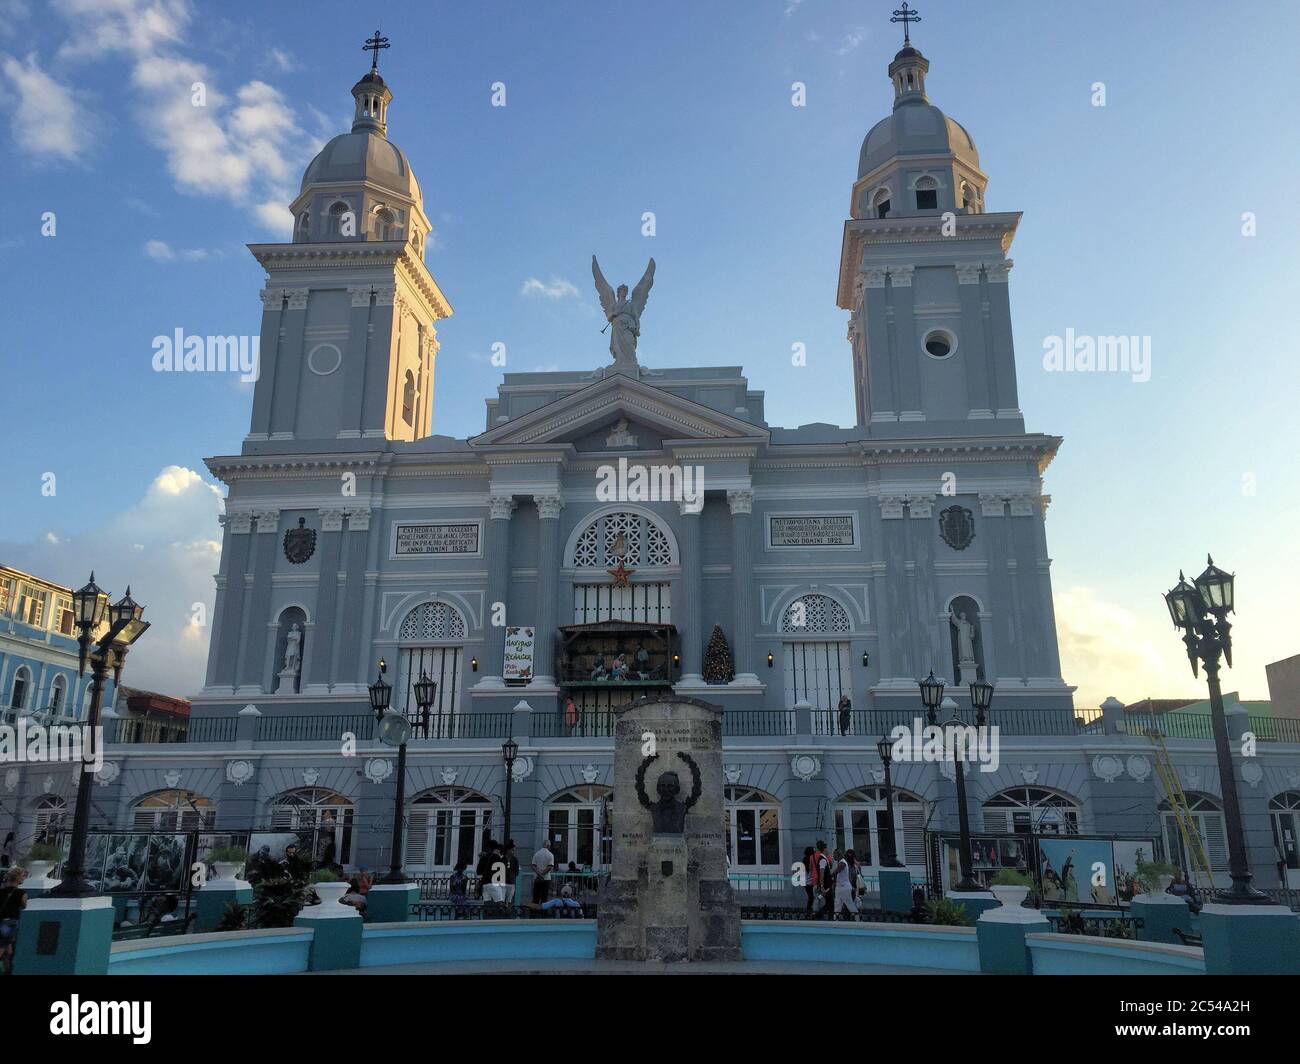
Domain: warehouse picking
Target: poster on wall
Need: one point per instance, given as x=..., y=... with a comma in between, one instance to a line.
x=124, y=863
x=1076, y=870
x=165, y=866
x=519, y=654
x=1129, y=853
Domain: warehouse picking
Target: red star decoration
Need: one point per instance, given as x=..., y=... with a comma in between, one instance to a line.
x=622, y=574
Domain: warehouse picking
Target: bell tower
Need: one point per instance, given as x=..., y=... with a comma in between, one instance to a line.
x=923, y=274
x=348, y=341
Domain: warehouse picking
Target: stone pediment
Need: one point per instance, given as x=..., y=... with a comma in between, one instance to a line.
x=593, y=415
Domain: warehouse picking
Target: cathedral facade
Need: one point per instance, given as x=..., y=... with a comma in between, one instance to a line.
x=625, y=530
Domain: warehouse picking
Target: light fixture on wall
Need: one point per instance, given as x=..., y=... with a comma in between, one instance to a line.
x=473, y=664
x=770, y=659
x=866, y=659
x=383, y=665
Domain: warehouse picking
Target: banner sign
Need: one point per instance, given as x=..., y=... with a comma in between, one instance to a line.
x=518, y=663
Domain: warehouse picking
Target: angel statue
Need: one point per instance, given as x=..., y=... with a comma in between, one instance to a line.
x=624, y=314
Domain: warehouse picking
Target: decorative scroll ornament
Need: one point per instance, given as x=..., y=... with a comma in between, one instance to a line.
x=310, y=776
x=239, y=772
x=1251, y=772
x=300, y=542
x=957, y=526
x=1139, y=768
x=448, y=776
x=523, y=768
x=805, y=766
x=107, y=773
x=733, y=773
x=378, y=769
x=1107, y=767
x=172, y=777
x=1029, y=774
x=590, y=773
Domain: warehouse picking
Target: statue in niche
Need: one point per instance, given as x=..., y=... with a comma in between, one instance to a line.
x=964, y=636
x=668, y=814
x=293, y=649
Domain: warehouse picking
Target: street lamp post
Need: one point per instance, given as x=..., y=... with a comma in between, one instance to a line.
x=889, y=858
x=1201, y=614
x=394, y=729
x=92, y=609
x=509, y=753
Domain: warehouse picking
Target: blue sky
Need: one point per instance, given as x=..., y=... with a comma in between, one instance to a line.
x=1133, y=225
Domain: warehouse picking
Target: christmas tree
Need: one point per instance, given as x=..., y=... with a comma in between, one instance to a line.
x=718, y=666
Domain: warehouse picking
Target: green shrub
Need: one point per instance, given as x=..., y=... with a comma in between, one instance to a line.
x=235, y=918
x=228, y=855
x=1149, y=873
x=276, y=901
x=43, y=851
x=946, y=912
x=1117, y=929
x=325, y=875
x=1009, y=877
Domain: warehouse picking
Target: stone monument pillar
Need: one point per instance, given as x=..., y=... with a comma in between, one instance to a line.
x=668, y=898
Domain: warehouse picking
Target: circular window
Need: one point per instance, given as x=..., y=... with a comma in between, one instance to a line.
x=939, y=343
x=324, y=359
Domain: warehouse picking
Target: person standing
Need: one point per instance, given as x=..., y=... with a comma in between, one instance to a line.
x=809, y=877
x=825, y=882
x=7, y=853
x=846, y=714
x=846, y=885
x=543, y=862
x=512, y=870
x=13, y=900
x=491, y=872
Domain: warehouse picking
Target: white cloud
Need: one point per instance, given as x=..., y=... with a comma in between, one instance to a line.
x=247, y=148
x=161, y=251
x=1107, y=650
x=850, y=41
x=49, y=120
x=167, y=546
x=558, y=288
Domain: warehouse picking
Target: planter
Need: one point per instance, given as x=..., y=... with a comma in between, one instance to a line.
x=227, y=871
x=1162, y=883
x=1011, y=897
x=39, y=869
x=329, y=894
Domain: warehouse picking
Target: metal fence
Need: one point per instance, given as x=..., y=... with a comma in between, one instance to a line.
x=758, y=722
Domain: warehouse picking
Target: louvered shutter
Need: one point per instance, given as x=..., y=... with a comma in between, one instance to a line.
x=997, y=821
x=913, y=817
x=1216, y=840
x=417, y=840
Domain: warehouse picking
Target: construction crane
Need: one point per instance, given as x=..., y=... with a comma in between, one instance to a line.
x=1193, y=844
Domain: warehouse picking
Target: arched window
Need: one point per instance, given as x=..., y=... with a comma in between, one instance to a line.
x=341, y=219
x=816, y=669
x=425, y=633
x=970, y=200
x=50, y=816
x=862, y=825
x=927, y=194
x=1025, y=810
x=444, y=827
x=304, y=225
x=385, y=224
x=752, y=822
x=814, y=615
x=58, y=694
x=632, y=537
x=20, y=691
x=1284, y=813
x=408, y=399
x=322, y=820
x=172, y=811
x=1206, y=817
x=880, y=203
x=577, y=826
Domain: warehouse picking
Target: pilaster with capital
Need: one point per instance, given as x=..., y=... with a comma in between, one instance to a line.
x=981, y=375
x=355, y=361
x=741, y=503
x=257, y=611
x=350, y=671
x=288, y=367
x=382, y=330
x=1002, y=355
x=906, y=342
x=692, y=578
x=497, y=556
x=548, y=584
x=319, y=653
x=227, y=618
x=268, y=357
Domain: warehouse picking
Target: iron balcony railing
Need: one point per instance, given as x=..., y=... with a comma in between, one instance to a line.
x=874, y=723
x=587, y=724
x=315, y=727
x=196, y=730
x=742, y=722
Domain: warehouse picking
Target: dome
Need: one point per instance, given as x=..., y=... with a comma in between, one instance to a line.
x=361, y=156
x=915, y=128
